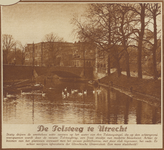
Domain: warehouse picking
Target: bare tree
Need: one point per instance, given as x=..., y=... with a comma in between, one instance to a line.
x=21, y=48
x=97, y=27
x=155, y=10
x=146, y=13
x=124, y=24
x=114, y=28
x=53, y=46
x=8, y=45
x=140, y=10
x=52, y=37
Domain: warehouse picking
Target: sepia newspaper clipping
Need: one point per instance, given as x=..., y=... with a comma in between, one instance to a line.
x=82, y=74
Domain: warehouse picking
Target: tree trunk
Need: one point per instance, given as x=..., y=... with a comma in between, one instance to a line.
x=5, y=54
x=141, y=34
x=5, y=58
x=109, y=65
x=124, y=43
x=109, y=43
x=127, y=65
x=118, y=67
x=139, y=61
x=154, y=49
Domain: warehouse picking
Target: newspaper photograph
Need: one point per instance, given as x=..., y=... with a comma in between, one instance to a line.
x=81, y=74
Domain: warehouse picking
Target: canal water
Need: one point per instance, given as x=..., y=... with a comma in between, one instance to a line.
x=77, y=103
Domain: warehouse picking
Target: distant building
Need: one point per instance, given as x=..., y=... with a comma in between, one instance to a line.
x=83, y=55
x=34, y=54
x=47, y=54
x=101, y=64
x=59, y=54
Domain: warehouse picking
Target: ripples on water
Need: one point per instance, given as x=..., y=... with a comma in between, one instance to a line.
x=78, y=103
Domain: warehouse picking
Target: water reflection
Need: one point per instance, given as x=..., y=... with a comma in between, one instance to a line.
x=78, y=103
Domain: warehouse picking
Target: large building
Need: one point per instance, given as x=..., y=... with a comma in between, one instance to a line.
x=34, y=54
x=83, y=55
x=101, y=64
x=78, y=54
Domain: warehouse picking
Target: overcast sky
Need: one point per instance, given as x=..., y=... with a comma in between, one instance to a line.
x=29, y=23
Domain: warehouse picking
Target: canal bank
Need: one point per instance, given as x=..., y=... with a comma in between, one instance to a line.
x=147, y=89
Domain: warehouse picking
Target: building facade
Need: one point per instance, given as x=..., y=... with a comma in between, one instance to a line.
x=83, y=55
x=35, y=55
x=101, y=64
x=60, y=54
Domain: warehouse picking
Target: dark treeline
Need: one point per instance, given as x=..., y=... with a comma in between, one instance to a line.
x=120, y=29
x=13, y=51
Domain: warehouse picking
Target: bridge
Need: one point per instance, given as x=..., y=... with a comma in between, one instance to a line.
x=13, y=72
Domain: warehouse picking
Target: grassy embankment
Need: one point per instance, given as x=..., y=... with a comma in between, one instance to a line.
x=147, y=89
